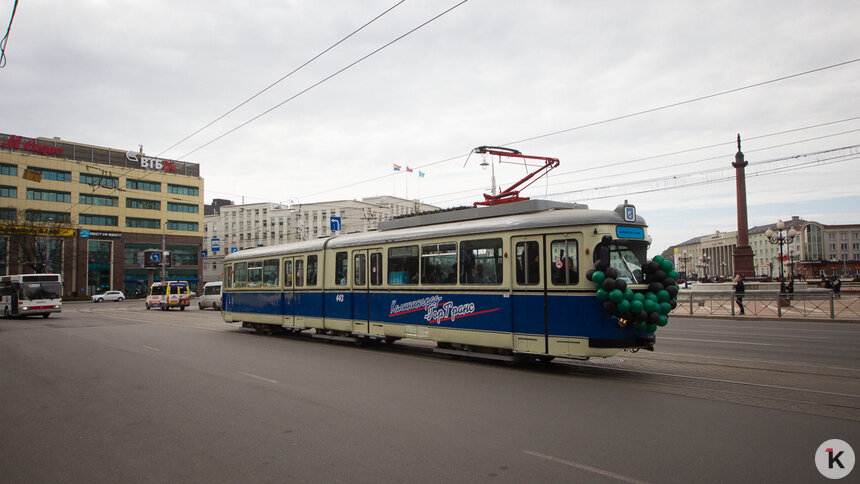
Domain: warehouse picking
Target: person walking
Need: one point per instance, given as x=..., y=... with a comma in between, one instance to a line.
x=837, y=287
x=739, y=291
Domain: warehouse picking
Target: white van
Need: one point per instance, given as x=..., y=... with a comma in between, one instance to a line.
x=210, y=297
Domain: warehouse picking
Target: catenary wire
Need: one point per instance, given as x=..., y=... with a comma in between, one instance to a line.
x=312, y=86
x=282, y=78
x=6, y=37
x=617, y=118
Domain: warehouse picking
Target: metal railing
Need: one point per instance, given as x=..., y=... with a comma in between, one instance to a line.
x=809, y=303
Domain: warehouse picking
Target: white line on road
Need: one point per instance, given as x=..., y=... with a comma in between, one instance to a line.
x=717, y=341
x=584, y=467
x=151, y=348
x=258, y=377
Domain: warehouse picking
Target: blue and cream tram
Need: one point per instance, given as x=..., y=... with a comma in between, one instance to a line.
x=503, y=282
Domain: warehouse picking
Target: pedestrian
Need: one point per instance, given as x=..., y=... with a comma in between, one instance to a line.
x=739, y=291
x=791, y=288
x=837, y=287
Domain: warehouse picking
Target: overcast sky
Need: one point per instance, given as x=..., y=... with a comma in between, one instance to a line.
x=528, y=75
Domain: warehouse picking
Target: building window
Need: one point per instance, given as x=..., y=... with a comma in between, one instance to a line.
x=183, y=190
x=49, y=195
x=46, y=216
x=182, y=207
x=143, y=185
x=180, y=225
x=98, y=265
x=8, y=192
x=102, y=200
x=7, y=169
x=142, y=204
x=100, y=180
x=143, y=223
x=8, y=214
x=87, y=219
x=56, y=175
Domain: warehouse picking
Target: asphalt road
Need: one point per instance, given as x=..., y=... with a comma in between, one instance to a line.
x=112, y=393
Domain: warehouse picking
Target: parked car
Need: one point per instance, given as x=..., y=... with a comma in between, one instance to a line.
x=109, y=296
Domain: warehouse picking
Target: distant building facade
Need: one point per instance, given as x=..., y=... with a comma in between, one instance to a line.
x=89, y=212
x=816, y=250
x=237, y=227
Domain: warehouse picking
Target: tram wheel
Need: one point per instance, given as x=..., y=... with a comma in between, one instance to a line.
x=544, y=358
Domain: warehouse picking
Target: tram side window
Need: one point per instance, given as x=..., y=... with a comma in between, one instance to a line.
x=564, y=262
x=229, y=275
x=255, y=273
x=403, y=265
x=312, y=270
x=288, y=273
x=481, y=261
x=270, y=273
x=360, y=269
x=528, y=266
x=439, y=263
x=300, y=272
x=376, y=269
x=240, y=274
x=341, y=266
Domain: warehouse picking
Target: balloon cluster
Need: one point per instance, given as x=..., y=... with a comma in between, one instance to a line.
x=644, y=310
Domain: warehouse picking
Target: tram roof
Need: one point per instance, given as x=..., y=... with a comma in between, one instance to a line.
x=555, y=217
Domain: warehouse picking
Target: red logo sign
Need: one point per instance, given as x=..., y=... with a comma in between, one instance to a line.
x=14, y=143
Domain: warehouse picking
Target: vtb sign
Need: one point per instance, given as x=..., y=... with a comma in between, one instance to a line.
x=151, y=163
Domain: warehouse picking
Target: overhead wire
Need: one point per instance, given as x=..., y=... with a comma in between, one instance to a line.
x=246, y=101
x=609, y=120
x=600, y=167
x=6, y=37
x=314, y=85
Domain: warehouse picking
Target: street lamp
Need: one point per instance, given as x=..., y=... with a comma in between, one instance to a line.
x=484, y=165
x=685, y=257
x=705, y=261
x=781, y=237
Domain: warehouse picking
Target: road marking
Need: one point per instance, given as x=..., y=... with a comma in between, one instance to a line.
x=584, y=467
x=716, y=341
x=259, y=377
x=151, y=348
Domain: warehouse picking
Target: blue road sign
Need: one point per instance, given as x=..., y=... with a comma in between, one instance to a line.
x=335, y=224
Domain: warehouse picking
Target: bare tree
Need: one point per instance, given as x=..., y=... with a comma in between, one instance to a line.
x=35, y=237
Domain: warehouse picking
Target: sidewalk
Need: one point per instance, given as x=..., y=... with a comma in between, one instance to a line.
x=800, y=306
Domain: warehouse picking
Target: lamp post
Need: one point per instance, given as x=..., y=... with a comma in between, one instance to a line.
x=781, y=237
x=484, y=165
x=706, y=259
x=723, y=266
x=685, y=257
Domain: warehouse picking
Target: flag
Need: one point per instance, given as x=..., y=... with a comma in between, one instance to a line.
x=420, y=174
x=408, y=170
x=396, y=167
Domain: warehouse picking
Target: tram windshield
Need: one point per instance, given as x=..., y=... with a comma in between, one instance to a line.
x=628, y=258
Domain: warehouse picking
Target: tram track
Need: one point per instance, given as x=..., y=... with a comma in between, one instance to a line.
x=828, y=392
x=808, y=388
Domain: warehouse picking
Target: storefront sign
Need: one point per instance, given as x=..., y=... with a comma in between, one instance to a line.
x=104, y=235
x=19, y=143
x=150, y=163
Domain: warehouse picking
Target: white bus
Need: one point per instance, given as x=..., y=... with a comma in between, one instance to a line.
x=30, y=294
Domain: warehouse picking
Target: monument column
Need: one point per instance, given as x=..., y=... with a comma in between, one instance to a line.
x=743, y=254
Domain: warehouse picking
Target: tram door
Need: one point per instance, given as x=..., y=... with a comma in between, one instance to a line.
x=289, y=301
x=374, y=277
x=528, y=294
x=360, y=293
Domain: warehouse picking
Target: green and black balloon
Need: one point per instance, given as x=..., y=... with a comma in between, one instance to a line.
x=645, y=310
